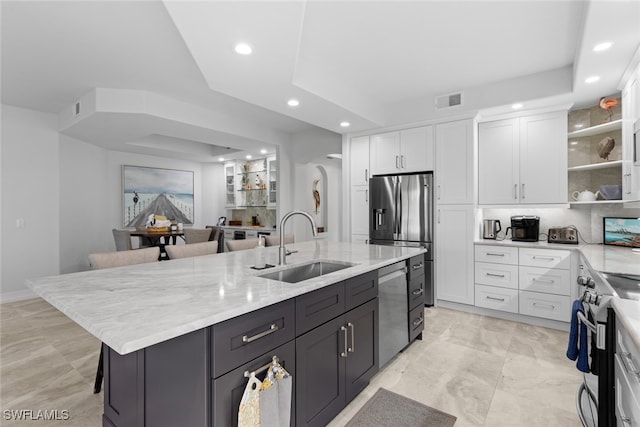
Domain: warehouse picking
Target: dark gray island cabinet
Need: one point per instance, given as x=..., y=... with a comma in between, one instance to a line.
x=327, y=339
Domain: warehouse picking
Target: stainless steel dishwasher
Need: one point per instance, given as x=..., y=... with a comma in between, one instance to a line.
x=393, y=306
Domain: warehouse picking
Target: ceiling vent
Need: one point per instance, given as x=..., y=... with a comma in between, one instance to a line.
x=448, y=101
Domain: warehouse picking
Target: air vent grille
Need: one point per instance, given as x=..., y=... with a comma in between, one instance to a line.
x=448, y=101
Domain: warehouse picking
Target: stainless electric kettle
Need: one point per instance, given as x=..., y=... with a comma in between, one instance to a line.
x=490, y=228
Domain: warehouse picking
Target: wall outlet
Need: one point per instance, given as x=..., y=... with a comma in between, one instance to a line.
x=20, y=223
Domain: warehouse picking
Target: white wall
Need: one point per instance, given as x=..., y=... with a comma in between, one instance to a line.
x=69, y=194
x=30, y=191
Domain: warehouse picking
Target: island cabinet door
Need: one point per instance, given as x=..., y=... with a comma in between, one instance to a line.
x=162, y=385
x=320, y=365
x=362, y=347
x=228, y=389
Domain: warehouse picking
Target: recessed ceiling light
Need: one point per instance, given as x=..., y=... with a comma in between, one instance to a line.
x=574, y=143
x=592, y=79
x=248, y=156
x=602, y=46
x=578, y=125
x=263, y=151
x=345, y=124
x=243, y=49
x=221, y=159
x=516, y=106
x=293, y=103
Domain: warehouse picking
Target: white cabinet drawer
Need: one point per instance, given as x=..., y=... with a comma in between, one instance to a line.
x=548, y=306
x=548, y=280
x=627, y=403
x=629, y=358
x=503, y=275
x=497, y=254
x=550, y=258
x=251, y=234
x=496, y=298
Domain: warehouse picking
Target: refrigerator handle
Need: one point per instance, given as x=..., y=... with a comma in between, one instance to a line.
x=399, y=210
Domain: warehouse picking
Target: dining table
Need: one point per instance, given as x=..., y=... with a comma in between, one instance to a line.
x=159, y=238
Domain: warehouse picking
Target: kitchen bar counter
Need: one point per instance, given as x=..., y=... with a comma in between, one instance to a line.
x=134, y=307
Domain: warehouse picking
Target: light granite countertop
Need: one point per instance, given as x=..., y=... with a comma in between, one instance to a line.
x=133, y=307
x=604, y=258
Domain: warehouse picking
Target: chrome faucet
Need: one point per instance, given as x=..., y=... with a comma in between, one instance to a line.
x=283, y=250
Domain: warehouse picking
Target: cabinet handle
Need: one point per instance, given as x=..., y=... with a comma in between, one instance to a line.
x=543, y=280
x=515, y=191
x=366, y=175
x=344, y=353
x=397, y=157
x=438, y=216
x=495, y=275
x=353, y=338
x=495, y=299
x=418, y=321
x=544, y=258
x=629, y=366
x=402, y=162
x=417, y=266
x=366, y=195
x=438, y=192
x=417, y=292
x=269, y=331
x=549, y=306
x=494, y=254
x=522, y=191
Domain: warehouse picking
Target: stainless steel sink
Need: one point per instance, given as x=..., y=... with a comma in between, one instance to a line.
x=302, y=272
x=626, y=286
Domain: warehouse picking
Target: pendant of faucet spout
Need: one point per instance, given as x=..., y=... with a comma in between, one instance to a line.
x=282, y=250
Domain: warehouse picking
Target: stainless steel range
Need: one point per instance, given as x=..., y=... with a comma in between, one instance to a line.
x=595, y=399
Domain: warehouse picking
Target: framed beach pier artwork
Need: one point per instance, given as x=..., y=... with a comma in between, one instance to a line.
x=157, y=191
x=621, y=231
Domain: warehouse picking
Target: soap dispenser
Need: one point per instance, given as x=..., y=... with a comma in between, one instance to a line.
x=260, y=254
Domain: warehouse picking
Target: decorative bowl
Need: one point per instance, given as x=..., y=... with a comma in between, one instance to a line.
x=611, y=192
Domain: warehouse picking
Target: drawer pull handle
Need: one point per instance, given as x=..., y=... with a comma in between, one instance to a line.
x=548, y=306
x=353, y=338
x=544, y=280
x=494, y=254
x=417, y=266
x=544, y=258
x=418, y=321
x=418, y=292
x=344, y=353
x=495, y=299
x=271, y=330
x=495, y=275
x=629, y=366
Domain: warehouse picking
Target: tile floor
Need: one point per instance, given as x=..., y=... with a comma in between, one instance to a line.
x=485, y=371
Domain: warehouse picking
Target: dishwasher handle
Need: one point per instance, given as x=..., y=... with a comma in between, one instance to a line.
x=391, y=272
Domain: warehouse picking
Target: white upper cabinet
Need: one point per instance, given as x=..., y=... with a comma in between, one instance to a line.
x=523, y=160
x=360, y=210
x=409, y=150
x=630, y=144
x=454, y=163
x=359, y=160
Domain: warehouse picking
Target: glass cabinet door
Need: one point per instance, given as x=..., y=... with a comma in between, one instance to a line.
x=230, y=185
x=272, y=173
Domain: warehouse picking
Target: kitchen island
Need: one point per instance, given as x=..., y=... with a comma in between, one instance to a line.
x=165, y=326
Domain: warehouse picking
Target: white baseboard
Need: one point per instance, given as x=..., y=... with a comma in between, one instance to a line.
x=17, y=296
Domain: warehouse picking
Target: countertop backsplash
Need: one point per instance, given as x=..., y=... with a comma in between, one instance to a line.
x=267, y=217
x=587, y=218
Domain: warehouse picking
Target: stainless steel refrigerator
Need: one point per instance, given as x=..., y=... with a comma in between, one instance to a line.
x=401, y=214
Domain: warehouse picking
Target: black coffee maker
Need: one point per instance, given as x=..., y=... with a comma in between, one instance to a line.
x=525, y=228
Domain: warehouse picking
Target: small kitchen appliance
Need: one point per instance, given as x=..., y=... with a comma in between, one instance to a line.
x=568, y=235
x=490, y=228
x=525, y=228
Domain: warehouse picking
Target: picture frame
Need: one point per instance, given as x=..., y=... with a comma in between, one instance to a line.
x=149, y=190
x=621, y=231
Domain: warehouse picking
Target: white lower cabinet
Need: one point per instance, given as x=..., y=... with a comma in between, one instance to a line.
x=497, y=298
x=627, y=379
x=531, y=281
x=454, y=253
